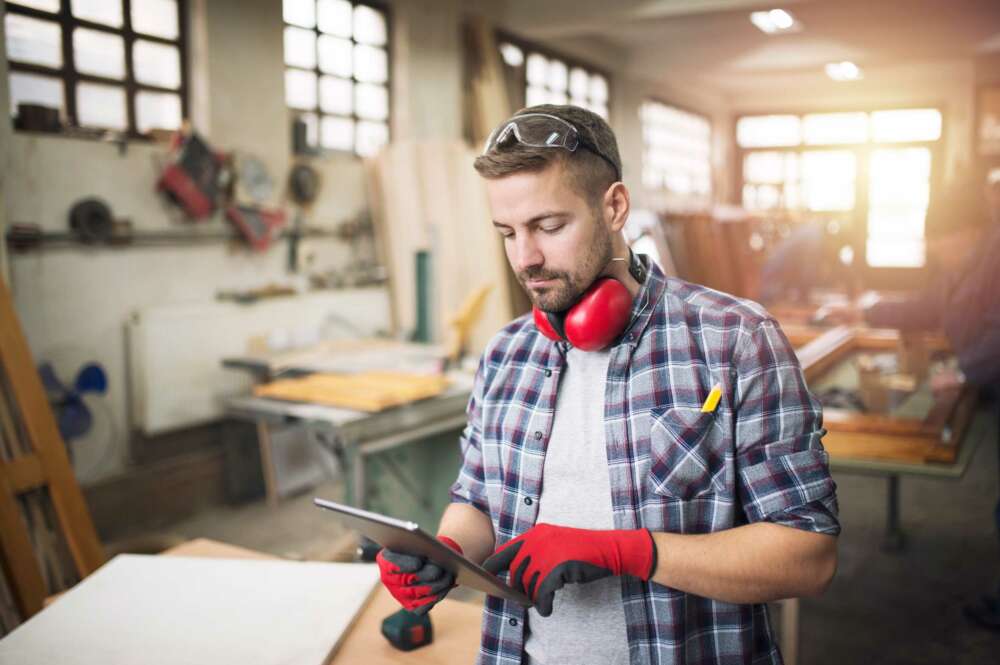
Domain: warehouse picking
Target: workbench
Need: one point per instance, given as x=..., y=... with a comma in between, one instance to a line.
x=350, y=438
x=982, y=427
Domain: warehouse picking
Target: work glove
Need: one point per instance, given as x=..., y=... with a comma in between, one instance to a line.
x=547, y=557
x=415, y=582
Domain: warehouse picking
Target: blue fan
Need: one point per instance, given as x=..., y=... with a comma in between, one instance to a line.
x=72, y=413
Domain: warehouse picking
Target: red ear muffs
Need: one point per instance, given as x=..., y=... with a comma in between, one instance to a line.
x=594, y=321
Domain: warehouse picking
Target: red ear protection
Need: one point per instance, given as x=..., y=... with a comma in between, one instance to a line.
x=594, y=321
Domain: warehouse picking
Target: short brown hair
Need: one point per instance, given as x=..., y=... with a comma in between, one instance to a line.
x=588, y=167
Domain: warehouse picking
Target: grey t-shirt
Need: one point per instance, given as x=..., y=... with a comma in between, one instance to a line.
x=587, y=624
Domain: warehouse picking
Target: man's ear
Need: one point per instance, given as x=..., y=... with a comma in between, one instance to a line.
x=615, y=206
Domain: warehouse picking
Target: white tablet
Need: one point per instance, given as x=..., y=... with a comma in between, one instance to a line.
x=408, y=537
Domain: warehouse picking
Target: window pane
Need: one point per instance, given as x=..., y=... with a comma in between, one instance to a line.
x=156, y=64
x=371, y=137
x=335, y=17
x=556, y=97
x=906, y=125
x=335, y=56
x=300, y=47
x=101, y=106
x=828, y=180
x=157, y=110
x=895, y=252
x=336, y=133
x=536, y=95
x=764, y=167
x=578, y=83
x=370, y=64
x=369, y=26
x=156, y=17
x=899, y=185
x=558, y=76
x=99, y=53
x=537, y=70
x=601, y=110
x=335, y=95
x=300, y=89
x=33, y=41
x=599, y=90
x=371, y=101
x=829, y=128
x=763, y=131
x=35, y=89
x=108, y=12
x=44, y=5
x=300, y=12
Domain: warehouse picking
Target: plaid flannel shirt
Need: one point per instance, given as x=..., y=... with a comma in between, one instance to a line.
x=756, y=458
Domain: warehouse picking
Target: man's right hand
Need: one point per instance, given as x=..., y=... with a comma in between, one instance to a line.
x=415, y=582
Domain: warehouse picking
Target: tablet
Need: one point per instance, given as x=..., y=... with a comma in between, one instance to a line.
x=408, y=537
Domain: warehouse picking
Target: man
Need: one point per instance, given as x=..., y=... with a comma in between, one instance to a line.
x=647, y=524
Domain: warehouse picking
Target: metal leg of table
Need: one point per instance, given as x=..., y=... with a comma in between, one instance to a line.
x=267, y=462
x=358, y=488
x=790, y=630
x=894, y=538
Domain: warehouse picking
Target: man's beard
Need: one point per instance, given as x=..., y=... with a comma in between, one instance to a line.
x=567, y=287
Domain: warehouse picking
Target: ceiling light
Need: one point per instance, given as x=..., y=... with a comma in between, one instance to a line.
x=775, y=21
x=844, y=71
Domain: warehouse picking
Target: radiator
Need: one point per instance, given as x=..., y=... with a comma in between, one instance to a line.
x=175, y=352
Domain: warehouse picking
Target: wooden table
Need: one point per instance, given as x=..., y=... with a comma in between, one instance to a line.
x=456, y=624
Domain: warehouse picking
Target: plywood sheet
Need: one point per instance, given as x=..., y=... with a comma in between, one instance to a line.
x=185, y=611
x=365, y=391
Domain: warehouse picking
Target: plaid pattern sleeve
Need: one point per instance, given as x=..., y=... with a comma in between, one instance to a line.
x=470, y=486
x=783, y=470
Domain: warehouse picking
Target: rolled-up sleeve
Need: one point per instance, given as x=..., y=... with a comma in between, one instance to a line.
x=783, y=471
x=470, y=486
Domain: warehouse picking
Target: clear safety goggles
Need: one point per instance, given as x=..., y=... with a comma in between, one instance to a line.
x=541, y=130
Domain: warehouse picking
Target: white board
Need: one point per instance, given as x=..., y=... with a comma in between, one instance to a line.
x=166, y=610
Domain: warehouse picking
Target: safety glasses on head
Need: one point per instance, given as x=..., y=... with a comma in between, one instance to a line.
x=542, y=130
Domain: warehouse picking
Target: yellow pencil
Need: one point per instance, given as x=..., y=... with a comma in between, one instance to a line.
x=712, y=401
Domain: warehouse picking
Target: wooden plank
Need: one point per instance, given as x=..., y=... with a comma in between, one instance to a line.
x=365, y=391
x=43, y=436
x=819, y=355
x=20, y=566
x=24, y=473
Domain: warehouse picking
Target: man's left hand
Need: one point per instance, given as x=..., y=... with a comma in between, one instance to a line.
x=547, y=557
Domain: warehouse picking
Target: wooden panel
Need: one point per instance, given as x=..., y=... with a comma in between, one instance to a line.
x=365, y=391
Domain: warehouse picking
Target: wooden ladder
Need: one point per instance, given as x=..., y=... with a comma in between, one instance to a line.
x=33, y=457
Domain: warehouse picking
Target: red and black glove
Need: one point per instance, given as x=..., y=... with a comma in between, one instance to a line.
x=548, y=557
x=415, y=582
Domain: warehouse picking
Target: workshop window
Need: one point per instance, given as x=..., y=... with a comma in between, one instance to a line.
x=102, y=64
x=547, y=78
x=337, y=73
x=677, y=152
x=809, y=165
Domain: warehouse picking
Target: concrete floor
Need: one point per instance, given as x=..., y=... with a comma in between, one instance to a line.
x=882, y=607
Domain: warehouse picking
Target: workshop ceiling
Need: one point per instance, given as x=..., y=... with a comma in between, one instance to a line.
x=714, y=41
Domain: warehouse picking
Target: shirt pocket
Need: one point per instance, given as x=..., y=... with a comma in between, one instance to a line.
x=687, y=454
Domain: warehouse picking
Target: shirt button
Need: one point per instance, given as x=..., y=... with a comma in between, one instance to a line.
x=538, y=435
x=548, y=372
x=528, y=501
x=512, y=621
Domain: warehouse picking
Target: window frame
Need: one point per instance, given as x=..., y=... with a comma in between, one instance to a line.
x=710, y=197
x=521, y=73
x=71, y=78
x=885, y=277
x=384, y=9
